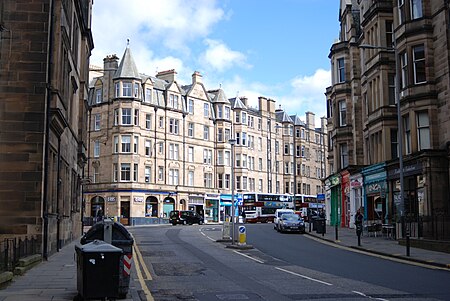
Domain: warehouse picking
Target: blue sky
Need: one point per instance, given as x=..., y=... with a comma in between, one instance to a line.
x=276, y=49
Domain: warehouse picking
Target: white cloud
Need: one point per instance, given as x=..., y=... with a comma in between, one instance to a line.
x=150, y=24
x=303, y=94
x=220, y=57
x=308, y=94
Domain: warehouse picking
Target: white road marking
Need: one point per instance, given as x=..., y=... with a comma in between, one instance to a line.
x=249, y=257
x=303, y=276
x=364, y=295
x=203, y=233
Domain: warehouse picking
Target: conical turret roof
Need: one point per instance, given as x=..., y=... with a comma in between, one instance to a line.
x=127, y=67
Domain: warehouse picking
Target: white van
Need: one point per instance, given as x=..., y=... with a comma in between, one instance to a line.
x=278, y=214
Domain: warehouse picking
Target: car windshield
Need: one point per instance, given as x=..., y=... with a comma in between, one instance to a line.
x=290, y=217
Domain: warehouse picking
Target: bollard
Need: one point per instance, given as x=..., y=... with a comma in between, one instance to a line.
x=358, y=233
x=407, y=245
x=242, y=235
x=107, y=230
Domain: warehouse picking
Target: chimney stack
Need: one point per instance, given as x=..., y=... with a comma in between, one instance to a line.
x=168, y=75
x=196, y=78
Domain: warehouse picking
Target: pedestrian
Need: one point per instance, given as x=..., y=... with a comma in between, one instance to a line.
x=358, y=222
x=358, y=217
x=322, y=213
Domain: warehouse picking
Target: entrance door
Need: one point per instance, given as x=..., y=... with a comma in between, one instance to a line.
x=125, y=213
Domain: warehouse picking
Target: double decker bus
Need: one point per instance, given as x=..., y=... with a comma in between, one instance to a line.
x=307, y=205
x=260, y=207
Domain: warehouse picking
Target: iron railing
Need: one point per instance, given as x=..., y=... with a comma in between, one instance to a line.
x=12, y=249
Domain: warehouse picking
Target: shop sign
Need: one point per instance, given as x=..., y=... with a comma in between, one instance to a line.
x=212, y=196
x=138, y=199
x=375, y=177
x=375, y=187
x=407, y=170
x=355, y=184
x=333, y=181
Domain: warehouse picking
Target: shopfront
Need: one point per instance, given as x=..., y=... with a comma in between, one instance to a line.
x=345, y=198
x=376, y=201
x=414, y=196
x=196, y=202
x=212, y=202
x=333, y=200
x=356, y=192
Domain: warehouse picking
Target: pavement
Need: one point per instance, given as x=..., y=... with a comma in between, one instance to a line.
x=56, y=278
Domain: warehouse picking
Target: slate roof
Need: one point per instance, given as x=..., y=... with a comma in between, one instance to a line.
x=297, y=121
x=127, y=67
x=218, y=96
x=236, y=103
x=283, y=117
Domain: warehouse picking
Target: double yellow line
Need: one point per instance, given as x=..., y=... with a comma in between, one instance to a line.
x=138, y=263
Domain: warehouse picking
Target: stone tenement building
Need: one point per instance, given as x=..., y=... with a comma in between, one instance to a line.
x=157, y=145
x=44, y=53
x=379, y=40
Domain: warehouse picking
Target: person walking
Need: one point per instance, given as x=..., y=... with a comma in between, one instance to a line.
x=358, y=222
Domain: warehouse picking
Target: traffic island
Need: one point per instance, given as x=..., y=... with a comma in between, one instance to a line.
x=240, y=247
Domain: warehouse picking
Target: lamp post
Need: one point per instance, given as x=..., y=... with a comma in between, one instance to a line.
x=399, y=132
x=232, y=143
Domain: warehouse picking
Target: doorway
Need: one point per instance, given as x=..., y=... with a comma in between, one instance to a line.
x=125, y=213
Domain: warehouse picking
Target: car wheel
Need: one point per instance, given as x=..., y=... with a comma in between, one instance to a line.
x=174, y=224
x=184, y=222
x=200, y=222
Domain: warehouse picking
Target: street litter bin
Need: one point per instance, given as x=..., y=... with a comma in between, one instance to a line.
x=313, y=220
x=121, y=238
x=98, y=270
x=320, y=225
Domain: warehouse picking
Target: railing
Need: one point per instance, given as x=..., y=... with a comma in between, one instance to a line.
x=12, y=249
x=435, y=227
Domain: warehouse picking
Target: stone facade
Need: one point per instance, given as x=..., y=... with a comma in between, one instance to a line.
x=157, y=145
x=43, y=87
x=378, y=38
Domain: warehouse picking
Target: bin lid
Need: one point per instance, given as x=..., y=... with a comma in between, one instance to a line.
x=98, y=246
x=120, y=234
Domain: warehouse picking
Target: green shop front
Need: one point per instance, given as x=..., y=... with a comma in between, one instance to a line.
x=333, y=199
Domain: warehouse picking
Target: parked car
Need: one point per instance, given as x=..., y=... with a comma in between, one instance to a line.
x=278, y=214
x=291, y=222
x=185, y=217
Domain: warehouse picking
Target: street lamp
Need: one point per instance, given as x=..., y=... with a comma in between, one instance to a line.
x=232, y=143
x=399, y=126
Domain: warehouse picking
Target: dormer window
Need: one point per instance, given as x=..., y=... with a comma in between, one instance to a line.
x=148, y=95
x=220, y=111
x=136, y=90
x=227, y=113
x=173, y=101
x=126, y=89
x=98, y=95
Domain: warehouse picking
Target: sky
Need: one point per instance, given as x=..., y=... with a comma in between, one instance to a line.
x=275, y=49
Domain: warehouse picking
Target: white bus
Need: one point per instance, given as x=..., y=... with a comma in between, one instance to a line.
x=260, y=207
